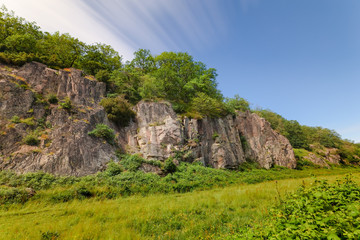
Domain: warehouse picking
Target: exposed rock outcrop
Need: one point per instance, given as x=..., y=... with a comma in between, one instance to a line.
x=323, y=157
x=225, y=142
x=65, y=147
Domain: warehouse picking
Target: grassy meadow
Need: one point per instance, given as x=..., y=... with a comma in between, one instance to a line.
x=207, y=214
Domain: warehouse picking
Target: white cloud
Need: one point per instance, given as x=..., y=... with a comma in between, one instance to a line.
x=68, y=16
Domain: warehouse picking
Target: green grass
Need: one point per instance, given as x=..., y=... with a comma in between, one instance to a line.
x=208, y=214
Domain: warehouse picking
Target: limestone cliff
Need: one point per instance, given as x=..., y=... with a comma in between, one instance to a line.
x=156, y=132
x=65, y=146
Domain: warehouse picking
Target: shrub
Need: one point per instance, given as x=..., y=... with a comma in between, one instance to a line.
x=15, y=119
x=13, y=195
x=28, y=121
x=207, y=106
x=52, y=98
x=103, y=76
x=103, y=131
x=112, y=169
x=66, y=104
x=131, y=162
x=169, y=166
x=118, y=110
x=236, y=104
x=31, y=139
x=323, y=211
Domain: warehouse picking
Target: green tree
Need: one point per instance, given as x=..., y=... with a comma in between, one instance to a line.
x=99, y=57
x=207, y=106
x=236, y=104
x=143, y=61
x=295, y=134
x=60, y=50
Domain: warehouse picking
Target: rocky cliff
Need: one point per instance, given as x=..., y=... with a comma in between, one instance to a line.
x=158, y=133
x=65, y=147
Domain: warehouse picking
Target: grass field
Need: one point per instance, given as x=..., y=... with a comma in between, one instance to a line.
x=210, y=214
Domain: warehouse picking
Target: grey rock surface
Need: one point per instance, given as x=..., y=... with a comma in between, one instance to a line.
x=157, y=132
x=65, y=147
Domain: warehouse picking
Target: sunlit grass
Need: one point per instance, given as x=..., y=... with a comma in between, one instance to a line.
x=201, y=214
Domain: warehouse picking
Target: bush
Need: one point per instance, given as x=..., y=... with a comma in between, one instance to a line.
x=112, y=169
x=324, y=211
x=207, y=106
x=131, y=162
x=15, y=119
x=31, y=139
x=118, y=110
x=66, y=104
x=103, y=76
x=52, y=98
x=170, y=166
x=236, y=104
x=103, y=131
x=13, y=195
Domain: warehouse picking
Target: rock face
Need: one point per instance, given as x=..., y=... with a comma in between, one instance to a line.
x=323, y=157
x=159, y=133
x=65, y=147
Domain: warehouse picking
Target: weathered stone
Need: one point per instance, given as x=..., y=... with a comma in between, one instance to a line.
x=158, y=133
x=324, y=157
x=65, y=147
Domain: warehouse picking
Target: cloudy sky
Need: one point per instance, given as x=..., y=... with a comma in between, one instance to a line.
x=299, y=58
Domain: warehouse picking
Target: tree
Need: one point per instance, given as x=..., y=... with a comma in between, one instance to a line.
x=236, y=104
x=207, y=106
x=143, y=61
x=295, y=134
x=100, y=57
x=60, y=50
x=178, y=78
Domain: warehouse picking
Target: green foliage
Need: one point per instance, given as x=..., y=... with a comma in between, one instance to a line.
x=52, y=98
x=169, y=166
x=215, y=135
x=103, y=131
x=301, y=136
x=236, y=104
x=28, y=121
x=295, y=134
x=126, y=83
x=10, y=195
x=31, y=139
x=103, y=76
x=112, y=169
x=118, y=110
x=350, y=152
x=66, y=104
x=248, y=166
x=99, y=57
x=207, y=106
x=143, y=61
x=49, y=235
x=15, y=119
x=131, y=162
x=323, y=211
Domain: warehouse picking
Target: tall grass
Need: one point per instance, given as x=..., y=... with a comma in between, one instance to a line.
x=209, y=214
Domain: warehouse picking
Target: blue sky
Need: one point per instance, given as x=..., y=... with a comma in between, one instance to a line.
x=299, y=58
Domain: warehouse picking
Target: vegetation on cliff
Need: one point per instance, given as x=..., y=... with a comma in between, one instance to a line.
x=188, y=84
